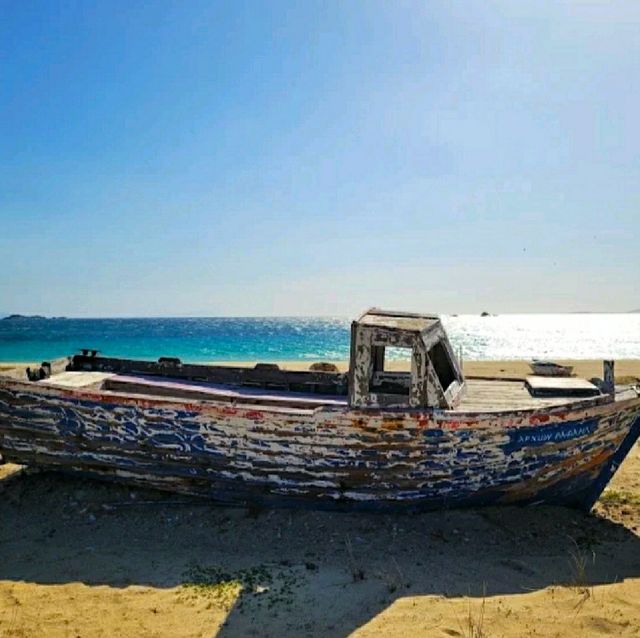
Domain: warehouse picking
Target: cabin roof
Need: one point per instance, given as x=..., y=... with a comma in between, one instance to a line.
x=405, y=321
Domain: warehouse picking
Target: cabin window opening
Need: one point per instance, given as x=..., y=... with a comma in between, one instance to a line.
x=401, y=355
x=442, y=365
x=389, y=382
x=378, y=358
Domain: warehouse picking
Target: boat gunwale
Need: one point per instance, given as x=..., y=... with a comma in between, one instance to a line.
x=434, y=416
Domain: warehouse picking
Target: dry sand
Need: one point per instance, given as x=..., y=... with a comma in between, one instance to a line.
x=586, y=368
x=94, y=560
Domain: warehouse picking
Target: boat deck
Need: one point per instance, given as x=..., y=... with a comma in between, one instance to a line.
x=482, y=395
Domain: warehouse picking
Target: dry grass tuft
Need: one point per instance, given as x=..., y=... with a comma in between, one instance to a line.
x=473, y=624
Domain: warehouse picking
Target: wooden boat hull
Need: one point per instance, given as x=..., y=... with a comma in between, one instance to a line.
x=335, y=458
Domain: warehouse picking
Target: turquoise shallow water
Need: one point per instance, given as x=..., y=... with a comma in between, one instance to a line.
x=573, y=336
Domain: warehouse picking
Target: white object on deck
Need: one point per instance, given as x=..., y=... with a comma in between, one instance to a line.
x=561, y=386
x=76, y=379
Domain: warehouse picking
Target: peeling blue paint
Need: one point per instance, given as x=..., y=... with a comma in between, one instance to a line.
x=322, y=459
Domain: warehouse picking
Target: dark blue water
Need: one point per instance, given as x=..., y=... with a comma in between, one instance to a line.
x=568, y=336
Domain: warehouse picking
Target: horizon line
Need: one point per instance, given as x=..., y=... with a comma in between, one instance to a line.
x=38, y=316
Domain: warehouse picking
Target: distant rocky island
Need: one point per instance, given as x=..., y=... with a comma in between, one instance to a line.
x=16, y=317
x=22, y=317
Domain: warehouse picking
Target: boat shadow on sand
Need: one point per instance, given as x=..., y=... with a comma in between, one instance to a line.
x=301, y=572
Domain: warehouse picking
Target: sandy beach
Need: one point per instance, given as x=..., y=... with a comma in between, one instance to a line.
x=516, y=369
x=94, y=560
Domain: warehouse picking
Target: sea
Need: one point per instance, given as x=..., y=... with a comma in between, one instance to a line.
x=200, y=339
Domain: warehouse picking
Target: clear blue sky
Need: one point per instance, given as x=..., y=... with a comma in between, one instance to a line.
x=207, y=158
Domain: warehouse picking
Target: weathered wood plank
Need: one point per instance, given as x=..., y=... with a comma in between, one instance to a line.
x=160, y=386
x=306, y=381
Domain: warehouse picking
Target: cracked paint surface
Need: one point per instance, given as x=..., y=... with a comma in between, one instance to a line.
x=341, y=458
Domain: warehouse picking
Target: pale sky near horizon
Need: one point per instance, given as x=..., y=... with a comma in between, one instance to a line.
x=297, y=158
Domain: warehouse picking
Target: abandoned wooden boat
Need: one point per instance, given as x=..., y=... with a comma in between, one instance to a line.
x=369, y=439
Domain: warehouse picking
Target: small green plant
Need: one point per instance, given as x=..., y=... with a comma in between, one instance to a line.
x=224, y=589
x=620, y=497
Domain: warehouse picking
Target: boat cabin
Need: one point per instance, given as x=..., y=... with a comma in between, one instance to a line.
x=435, y=380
